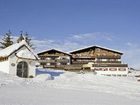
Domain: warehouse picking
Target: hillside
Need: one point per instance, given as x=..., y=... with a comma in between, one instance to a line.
x=69, y=88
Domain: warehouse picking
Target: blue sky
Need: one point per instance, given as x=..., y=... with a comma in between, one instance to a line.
x=72, y=24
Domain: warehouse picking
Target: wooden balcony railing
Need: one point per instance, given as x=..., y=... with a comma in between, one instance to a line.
x=99, y=56
x=110, y=65
x=108, y=57
x=55, y=61
x=49, y=66
x=80, y=62
x=62, y=60
x=108, y=62
x=100, y=62
x=46, y=61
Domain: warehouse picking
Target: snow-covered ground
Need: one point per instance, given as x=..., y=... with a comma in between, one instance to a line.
x=69, y=88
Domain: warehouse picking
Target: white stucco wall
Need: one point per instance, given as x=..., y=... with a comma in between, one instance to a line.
x=109, y=72
x=4, y=66
x=32, y=68
x=13, y=61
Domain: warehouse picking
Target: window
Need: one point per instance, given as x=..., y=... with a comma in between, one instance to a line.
x=113, y=69
x=122, y=69
x=100, y=69
x=96, y=69
x=105, y=69
x=48, y=58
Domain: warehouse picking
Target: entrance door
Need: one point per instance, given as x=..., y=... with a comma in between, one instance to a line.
x=22, y=69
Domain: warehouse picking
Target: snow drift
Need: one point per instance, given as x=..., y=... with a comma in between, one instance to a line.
x=69, y=88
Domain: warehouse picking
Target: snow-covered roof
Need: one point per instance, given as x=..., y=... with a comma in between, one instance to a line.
x=96, y=46
x=50, y=50
x=13, y=48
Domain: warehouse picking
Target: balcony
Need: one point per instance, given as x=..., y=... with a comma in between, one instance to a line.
x=49, y=66
x=108, y=57
x=110, y=65
x=80, y=62
x=54, y=61
x=98, y=56
x=47, y=61
x=108, y=62
x=100, y=62
x=62, y=60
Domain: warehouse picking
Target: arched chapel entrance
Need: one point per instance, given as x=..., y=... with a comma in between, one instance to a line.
x=22, y=69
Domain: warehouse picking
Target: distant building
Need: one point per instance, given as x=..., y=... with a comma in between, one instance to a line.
x=101, y=60
x=54, y=59
x=104, y=61
x=19, y=60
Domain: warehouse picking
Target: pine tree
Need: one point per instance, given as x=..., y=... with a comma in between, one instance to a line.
x=7, y=40
x=26, y=38
x=21, y=37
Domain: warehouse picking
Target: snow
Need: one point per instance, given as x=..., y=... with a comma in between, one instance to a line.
x=69, y=88
x=7, y=51
x=42, y=78
x=10, y=49
x=25, y=54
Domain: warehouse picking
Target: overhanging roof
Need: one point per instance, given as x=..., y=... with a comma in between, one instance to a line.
x=93, y=47
x=15, y=47
x=53, y=50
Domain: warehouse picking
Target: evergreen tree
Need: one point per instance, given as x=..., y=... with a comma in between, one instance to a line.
x=6, y=40
x=26, y=38
x=21, y=37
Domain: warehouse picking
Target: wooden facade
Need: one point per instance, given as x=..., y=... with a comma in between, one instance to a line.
x=54, y=59
x=96, y=54
x=102, y=58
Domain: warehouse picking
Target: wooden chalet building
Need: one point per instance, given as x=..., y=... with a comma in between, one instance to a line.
x=103, y=60
x=54, y=59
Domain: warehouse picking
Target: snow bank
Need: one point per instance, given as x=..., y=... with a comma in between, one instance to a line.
x=69, y=88
x=42, y=78
x=67, y=75
x=124, y=86
x=7, y=79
